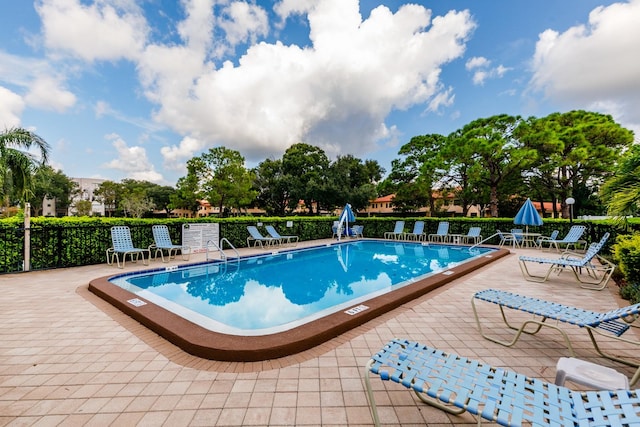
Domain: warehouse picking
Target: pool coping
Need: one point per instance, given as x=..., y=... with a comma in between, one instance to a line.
x=207, y=344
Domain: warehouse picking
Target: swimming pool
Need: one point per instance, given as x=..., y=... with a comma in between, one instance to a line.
x=277, y=294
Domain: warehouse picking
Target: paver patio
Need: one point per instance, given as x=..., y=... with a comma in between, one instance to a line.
x=68, y=358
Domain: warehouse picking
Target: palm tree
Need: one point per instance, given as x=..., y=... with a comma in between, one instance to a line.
x=17, y=164
x=622, y=191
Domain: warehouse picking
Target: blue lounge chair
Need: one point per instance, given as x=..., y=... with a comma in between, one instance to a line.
x=397, y=232
x=123, y=245
x=506, y=239
x=597, y=275
x=441, y=234
x=357, y=230
x=162, y=242
x=472, y=236
x=611, y=324
x=517, y=235
x=256, y=237
x=456, y=384
x=417, y=233
x=290, y=240
x=570, y=241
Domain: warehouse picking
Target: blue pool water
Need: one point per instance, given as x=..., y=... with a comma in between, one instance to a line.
x=275, y=292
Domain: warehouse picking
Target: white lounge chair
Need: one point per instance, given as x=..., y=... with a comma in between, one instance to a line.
x=290, y=240
x=417, y=233
x=256, y=237
x=397, y=232
x=597, y=274
x=441, y=234
x=123, y=245
x=571, y=240
x=162, y=242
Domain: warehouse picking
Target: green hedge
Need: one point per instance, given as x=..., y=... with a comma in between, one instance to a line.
x=73, y=241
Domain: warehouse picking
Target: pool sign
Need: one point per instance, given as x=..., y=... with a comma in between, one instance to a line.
x=358, y=309
x=196, y=236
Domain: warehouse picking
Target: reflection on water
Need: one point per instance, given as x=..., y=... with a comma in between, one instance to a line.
x=263, y=292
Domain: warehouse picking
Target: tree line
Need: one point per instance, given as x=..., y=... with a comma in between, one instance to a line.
x=493, y=162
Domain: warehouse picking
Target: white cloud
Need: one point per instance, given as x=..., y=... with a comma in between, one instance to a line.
x=11, y=107
x=335, y=93
x=596, y=64
x=175, y=156
x=104, y=30
x=244, y=22
x=132, y=161
x=476, y=62
x=484, y=70
x=48, y=93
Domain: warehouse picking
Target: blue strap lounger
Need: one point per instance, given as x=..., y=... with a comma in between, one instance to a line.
x=611, y=324
x=397, y=232
x=290, y=239
x=570, y=240
x=123, y=245
x=256, y=237
x=456, y=384
x=162, y=242
x=597, y=275
x=441, y=234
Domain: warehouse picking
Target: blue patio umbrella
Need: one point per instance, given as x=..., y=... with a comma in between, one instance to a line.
x=528, y=215
x=346, y=217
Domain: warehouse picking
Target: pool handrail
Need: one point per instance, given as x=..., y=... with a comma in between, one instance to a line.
x=484, y=240
x=220, y=248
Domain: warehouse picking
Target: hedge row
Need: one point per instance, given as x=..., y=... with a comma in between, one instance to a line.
x=72, y=241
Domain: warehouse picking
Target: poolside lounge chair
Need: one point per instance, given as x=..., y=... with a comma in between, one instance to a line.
x=569, y=241
x=417, y=233
x=397, y=232
x=517, y=235
x=506, y=239
x=357, y=230
x=123, y=245
x=472, y=236
x=552, y=236
x=441, y=234
x=256, y=237
x=597, y=275
x=611, y=324
x=456, y=384
x=290, y=240
x=162, y=242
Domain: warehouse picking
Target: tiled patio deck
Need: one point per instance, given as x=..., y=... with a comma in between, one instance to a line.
x=67, y=358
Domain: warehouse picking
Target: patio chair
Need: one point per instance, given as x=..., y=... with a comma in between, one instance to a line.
x=123, y=245
x=441, y=234
x=162, y=242
x=357, y=230
x=553, y=236
x=597, y=276
x=611, y=324
x=256, y=237
x=506, y=239
x=397, y=232
x=517, y=234
x=417, y=233
x=456, y=384
x=571, y=240
x=472, y=236
x=290, y=239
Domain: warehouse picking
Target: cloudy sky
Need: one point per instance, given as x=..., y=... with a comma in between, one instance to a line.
x=135, y=88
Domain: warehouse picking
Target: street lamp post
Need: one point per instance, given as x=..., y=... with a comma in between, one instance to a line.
x=570, y=201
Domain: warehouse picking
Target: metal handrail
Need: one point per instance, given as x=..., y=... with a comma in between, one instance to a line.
x=220, y=247
x=484, y=240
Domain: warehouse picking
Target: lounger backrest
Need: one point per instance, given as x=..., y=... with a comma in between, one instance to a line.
x=273, y=232
x=418, y=227
x=620, y=313
x=254, y=232
x=161, y=236
x=554, y=235
x=443, y=228
x=594, y=248
x=399, y=227
x=474, y=232
x=121, y=238
x=574, y=234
